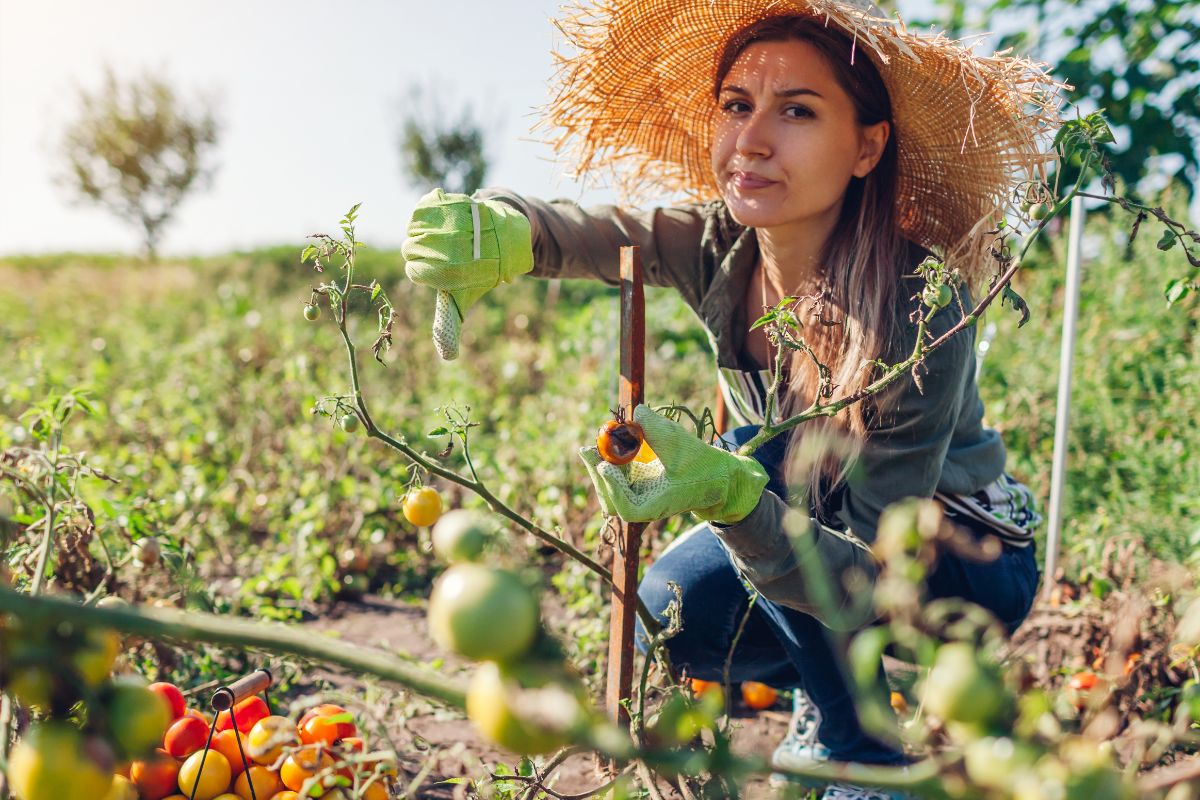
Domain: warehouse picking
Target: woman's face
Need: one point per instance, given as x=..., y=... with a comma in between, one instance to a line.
x=787, y=140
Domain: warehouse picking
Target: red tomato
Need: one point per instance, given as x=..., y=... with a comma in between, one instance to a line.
x=156, y=777
x=170, y=692
x=247, y=712
x=1082, y=681
x=345, y=724
x=226, y=744
x=185, y=736
x=200, y=715
x=319, y=730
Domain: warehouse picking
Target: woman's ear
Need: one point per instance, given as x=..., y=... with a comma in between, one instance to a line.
x=874, y=140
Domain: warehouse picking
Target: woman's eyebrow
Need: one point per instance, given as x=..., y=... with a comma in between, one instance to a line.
x=782, y=93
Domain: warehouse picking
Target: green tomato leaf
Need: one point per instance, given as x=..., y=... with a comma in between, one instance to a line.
x=1176, y=290
x=1167, y=241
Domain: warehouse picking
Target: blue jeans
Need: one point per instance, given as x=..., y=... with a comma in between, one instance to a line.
x=786, y=648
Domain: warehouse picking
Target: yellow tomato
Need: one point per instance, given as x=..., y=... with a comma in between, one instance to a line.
x=264, y=781
x=95, y=659
x=268, y=737
x=214, y=779
x=422, y=506
x=122, y=789
x=53, y=762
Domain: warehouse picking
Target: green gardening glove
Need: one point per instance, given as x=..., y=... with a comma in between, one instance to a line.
x=463, y=247
x=688, y=475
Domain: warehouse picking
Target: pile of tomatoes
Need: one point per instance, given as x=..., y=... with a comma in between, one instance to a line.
x=163, y=752
x=320, y=756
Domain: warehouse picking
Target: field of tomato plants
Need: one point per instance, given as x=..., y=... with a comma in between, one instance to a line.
x=188, y=488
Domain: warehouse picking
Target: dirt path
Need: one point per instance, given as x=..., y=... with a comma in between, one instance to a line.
x=450, y=740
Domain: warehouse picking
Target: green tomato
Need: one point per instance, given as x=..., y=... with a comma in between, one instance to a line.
x=938, y=296
x=1039, y=211
x=137, y=717
x=961, y=689
x=482, y=613
x=349, y=423
x=312, y=312
x=460, y=535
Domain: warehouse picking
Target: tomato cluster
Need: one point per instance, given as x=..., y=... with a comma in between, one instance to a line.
x=491, y=615
x=319, y=756
x=156, y=748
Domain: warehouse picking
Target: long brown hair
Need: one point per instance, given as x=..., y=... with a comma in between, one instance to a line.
x=863, y=260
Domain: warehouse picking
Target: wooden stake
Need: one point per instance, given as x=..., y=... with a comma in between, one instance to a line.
x=629, y=535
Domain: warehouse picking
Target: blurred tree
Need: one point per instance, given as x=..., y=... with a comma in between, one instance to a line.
x=1138, y=61
x=436, y=150
x=138, y=150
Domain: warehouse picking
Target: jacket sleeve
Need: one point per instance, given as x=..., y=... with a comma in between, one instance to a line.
x=797, y=562
x=777, y=548
x=573, y=242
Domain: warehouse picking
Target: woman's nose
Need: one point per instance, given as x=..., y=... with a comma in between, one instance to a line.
x=752, y=137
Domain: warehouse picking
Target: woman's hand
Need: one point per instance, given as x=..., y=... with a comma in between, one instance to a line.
x=463, y=247
x=688, y=475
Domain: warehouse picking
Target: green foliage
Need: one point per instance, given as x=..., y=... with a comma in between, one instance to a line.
x=1136, y=61
x=438, y=151
x=1134, y=392
x=137, y=149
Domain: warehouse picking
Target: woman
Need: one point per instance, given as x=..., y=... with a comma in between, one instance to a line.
x=827, y=175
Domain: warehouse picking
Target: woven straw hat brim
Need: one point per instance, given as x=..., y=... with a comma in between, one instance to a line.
x=633, y=104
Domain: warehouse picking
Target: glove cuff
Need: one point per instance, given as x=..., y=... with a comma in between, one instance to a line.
x=746, y=483
x=514, y=240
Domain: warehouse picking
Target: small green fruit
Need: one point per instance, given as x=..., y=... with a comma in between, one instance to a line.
x=460, y=535
x=482, y=613
x=349, y=423
x=312, y=312
x=938, y=296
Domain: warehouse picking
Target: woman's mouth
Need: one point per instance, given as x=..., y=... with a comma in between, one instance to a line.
x=747, y=181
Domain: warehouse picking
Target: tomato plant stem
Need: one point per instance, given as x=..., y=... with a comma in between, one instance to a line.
x=473, y=484
x=195, y=626
x=51, y=500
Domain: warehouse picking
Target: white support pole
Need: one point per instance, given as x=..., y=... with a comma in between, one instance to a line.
x=1062, y=417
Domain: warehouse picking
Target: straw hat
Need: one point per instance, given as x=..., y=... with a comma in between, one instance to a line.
x=635, y=100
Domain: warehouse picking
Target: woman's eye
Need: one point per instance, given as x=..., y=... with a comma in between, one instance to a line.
x=798, y=112
x=735, y=106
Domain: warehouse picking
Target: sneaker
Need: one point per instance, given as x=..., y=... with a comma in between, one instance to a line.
x=800, y=748
x=850, y=791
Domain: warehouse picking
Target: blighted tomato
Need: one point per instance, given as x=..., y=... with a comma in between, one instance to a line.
x=618, y=441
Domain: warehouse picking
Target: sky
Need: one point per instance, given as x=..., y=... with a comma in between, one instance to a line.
x=309, y=93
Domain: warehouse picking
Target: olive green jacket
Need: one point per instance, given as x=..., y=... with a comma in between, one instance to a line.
x=920, y=441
